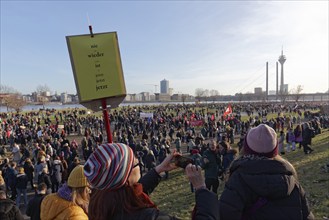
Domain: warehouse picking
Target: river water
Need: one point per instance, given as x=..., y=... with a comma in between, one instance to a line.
x=72, y=106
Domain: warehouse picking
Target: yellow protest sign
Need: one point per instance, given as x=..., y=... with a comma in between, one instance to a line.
x=97, y=68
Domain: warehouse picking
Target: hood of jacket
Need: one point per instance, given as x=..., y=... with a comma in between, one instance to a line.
x=266, y=177
x=6, y=205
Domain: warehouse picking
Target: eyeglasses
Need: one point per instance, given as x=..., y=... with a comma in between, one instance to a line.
x=137, y=165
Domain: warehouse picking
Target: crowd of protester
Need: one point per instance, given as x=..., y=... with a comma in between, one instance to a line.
x=42, y=158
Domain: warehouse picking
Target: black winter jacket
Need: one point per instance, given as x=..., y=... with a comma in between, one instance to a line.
x=206, y=207
x=253, y=178
x=9, y=211
x=21, y=181
x=33, y=207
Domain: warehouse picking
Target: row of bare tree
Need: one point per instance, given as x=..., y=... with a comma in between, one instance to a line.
x=13, y=99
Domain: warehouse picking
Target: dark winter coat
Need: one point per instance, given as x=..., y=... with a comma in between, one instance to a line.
x=228, y=157
x=9, y=211
x=253, y=178
x=205, y=205
x=56, y=172
x=29, y=171
x=10, y=177
x=150, y=161
x=45, y=178
x=21, y=181
x=307, y=134
x=211, y=168
x=33, y=207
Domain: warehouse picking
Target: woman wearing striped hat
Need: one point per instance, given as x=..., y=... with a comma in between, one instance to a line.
x=119, y=191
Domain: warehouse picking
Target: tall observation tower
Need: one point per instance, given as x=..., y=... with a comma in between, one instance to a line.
x=282, y=59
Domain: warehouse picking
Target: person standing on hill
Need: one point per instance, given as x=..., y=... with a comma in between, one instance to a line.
x=8, y=209
x=33, y=207
x=298, y=135
x=21, y=186
x=71, y=201
x=119, y=191
x=29, y=170
x=308, y=133
x=211, y=163
x=16, y=153
x=261, y=184
x=10, y=179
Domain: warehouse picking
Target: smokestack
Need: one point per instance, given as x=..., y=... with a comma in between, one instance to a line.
x=277, y=80
x=266, y=95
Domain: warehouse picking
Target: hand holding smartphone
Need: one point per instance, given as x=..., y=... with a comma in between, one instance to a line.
x=182, y=161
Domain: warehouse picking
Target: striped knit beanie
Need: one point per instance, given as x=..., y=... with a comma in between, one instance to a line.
x=109, y=166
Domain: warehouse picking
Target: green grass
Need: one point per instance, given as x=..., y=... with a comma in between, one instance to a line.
x=174, y=197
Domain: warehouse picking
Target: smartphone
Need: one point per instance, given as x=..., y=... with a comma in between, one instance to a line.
x=182, y=161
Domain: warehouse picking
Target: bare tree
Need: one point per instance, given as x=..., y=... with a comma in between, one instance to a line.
x=14, y=101
x=7, y=89
x=41, y=90
x=11, y=98
x=213, y=94
x=297, y=92
x=199, y=93
x=283, y=94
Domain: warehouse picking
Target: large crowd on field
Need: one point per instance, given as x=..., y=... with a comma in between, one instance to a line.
x=47, y=145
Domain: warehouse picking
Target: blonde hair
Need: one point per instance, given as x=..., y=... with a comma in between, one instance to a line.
x=2, y=181
x=80, y=197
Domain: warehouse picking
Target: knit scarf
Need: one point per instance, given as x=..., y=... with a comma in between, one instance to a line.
x=65, y=192
x=138, y=190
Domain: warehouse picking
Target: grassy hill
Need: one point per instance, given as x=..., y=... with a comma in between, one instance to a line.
x=174, y=195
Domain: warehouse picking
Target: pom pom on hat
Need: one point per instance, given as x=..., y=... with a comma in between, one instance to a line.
x=262, y=141
x=109, y=166
x=77, y=178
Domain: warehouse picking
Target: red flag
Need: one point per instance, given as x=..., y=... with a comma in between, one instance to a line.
x=228, y=110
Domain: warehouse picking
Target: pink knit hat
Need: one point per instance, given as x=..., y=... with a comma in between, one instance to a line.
x=262, y=141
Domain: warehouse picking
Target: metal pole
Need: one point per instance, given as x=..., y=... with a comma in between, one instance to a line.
x=266, y=95
x=277, y=80
x=107, y=121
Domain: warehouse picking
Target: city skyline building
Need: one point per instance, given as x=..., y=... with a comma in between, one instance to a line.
x=164, y=86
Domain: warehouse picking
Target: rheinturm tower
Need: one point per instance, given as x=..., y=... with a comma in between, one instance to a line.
x=282, y=59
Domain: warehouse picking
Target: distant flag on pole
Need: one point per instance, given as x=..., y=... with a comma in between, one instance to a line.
x=228, y=110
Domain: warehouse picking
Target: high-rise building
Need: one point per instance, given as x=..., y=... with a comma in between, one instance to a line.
x=164, y=86
x=258, y=90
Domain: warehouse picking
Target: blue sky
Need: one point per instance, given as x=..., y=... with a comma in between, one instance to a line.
x=221, y=45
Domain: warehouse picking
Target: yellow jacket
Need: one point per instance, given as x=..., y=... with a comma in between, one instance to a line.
x=54, y=207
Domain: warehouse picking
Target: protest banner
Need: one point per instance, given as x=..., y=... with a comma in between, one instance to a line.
x=196, y=123
x=97, y=69
x=146, y=115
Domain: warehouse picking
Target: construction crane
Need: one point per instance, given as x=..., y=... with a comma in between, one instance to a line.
x=155, y=87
